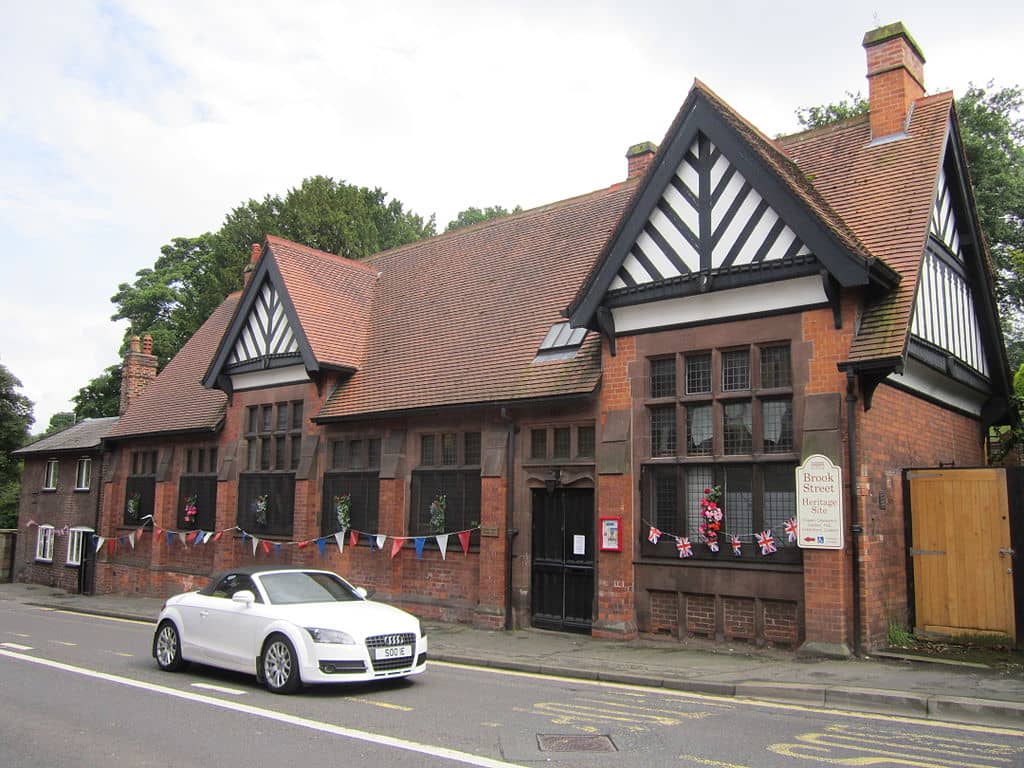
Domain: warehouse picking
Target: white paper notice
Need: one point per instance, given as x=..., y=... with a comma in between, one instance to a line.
x=579, y=545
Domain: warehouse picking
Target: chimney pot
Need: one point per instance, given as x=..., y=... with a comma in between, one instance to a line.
x=257, y=249
x=639, y=157
x=134, y=344
x=895, y=75
x=147, y=345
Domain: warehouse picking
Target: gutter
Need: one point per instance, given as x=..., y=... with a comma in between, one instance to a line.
x=855, y=527
x=510, y=497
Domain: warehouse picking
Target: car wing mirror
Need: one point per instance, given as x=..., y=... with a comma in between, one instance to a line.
x=244, y=596
x=361, y=591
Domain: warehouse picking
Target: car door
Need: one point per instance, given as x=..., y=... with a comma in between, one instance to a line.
x=232, y=630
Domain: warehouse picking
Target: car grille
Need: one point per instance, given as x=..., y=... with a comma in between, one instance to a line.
x=384, y=641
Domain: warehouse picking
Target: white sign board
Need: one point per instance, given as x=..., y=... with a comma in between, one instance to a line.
x=819, y=504
x=579, y=545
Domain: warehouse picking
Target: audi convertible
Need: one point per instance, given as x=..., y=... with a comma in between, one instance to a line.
x=289, y=626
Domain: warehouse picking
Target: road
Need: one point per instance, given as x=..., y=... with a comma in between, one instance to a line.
x=83, y=690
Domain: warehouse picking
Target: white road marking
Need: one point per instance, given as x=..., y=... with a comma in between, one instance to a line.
x=16, y=646
x=314, y=725
x=218, y=689
x=63, y=642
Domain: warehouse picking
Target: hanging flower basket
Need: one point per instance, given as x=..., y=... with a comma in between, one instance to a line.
x=132, y=507
x=438, y=508
x=191, y=510
x=262, y=507
x=711, y=517
x=342, y=511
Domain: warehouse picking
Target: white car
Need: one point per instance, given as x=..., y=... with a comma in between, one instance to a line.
x=289, y=626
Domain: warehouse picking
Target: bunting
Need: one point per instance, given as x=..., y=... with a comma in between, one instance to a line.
x=791, y=530
x=442, y=544
x=684, y=547
x=766, y=542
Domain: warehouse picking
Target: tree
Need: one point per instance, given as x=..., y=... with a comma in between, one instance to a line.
x=993, y=139
x=192, y=276
x=15, y=420
x=101, y=396
x=814, y=117
x=474, y=215
x=59, y=422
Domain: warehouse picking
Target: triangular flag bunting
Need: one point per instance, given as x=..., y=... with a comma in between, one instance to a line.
x=266, y=547
x=131, y=539
x=464, y=540
x=353, y=538
x=139, y=532
x=184, y=538
x=157, y=531
x=277, y=546
x=381, y=538
x=255, y=544
x=217, y=535
x=170, y=538
x=303, y=544
x=99, y=542
x=442, y=544
x=420, y=541
x=191, y=538
x=396, y=546
x=339, y=539
x=321, y=544
x=112, y=545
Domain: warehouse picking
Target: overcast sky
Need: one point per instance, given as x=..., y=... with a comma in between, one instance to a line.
x=126, y=124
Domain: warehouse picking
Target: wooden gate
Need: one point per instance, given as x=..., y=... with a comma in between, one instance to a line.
x=961, y=552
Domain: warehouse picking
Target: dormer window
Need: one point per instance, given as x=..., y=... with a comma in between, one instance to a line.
x=561, y=342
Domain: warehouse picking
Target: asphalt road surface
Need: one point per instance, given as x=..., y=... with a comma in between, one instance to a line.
x=84, y=691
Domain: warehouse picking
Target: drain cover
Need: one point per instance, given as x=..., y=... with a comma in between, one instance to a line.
x=554, y=742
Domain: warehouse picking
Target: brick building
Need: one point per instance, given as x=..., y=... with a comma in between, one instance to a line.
x=61, y=487
x=566, y=382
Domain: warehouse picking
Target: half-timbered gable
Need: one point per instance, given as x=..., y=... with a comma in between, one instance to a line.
x=723, y=227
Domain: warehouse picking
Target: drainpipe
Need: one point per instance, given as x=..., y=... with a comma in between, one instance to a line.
x=510, y=497
x=855, y=527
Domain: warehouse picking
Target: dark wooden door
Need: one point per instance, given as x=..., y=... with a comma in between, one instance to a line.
x=562, y=586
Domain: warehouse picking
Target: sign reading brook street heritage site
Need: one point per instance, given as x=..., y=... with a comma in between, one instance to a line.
x=819, y=504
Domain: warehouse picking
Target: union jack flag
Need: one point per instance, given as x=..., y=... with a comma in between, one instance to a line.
x=684, y=546
x=653, y=535
x=766, y=542
x=737, y=546
x=791, y=530
x=713, y=545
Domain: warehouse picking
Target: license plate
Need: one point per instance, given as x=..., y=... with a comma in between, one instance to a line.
x=393, y=652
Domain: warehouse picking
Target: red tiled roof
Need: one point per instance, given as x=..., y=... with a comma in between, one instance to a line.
x=884, y=192
x=332, y=297
x=458, y=319
x=176, y=401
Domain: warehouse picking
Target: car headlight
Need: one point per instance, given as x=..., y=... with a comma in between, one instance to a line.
x=330, y=636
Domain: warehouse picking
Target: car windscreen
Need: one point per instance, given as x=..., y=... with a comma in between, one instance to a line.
x=303, y=587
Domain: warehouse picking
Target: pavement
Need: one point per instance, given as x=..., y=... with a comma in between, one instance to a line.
x=890, y=685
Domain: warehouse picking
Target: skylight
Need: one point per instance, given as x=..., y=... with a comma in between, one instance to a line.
x=561, y=342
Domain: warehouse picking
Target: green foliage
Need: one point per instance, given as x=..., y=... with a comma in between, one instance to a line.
x=993, y=137
x=815, y=117
x=899, y=637
x=59, y=422
x=15, y=420
x=100, y=397
x=474, y=215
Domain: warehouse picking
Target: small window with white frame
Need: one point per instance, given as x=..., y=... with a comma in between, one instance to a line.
x=83, y=474
x=50, y=475
x=44, y=544
x=77, y=539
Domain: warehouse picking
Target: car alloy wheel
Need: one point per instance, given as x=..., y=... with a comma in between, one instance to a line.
x=280, y=666
x=168, y=647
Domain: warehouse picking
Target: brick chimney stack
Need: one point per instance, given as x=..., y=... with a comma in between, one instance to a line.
x=254, y=256
x=138, y=370
x=895, y=78
x=639, y=158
